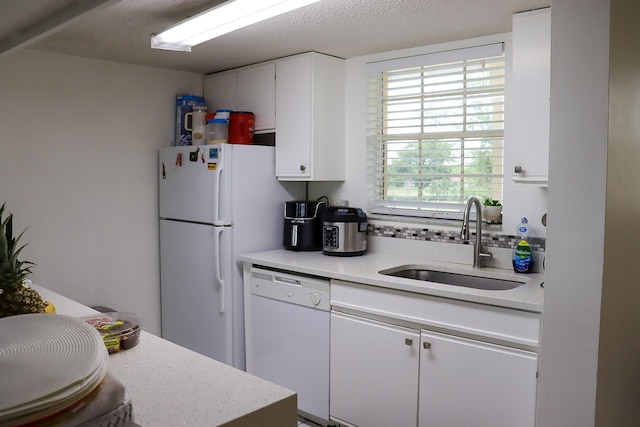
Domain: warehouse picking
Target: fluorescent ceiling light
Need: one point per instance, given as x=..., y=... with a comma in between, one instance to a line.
x=222, y=19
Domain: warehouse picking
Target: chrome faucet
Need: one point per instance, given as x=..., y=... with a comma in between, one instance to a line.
x=479, y=253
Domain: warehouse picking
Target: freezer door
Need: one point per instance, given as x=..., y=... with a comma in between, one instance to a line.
x=193, y=184
x=196, y=287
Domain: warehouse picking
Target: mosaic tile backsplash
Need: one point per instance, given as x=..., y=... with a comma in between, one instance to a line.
x=491, y=240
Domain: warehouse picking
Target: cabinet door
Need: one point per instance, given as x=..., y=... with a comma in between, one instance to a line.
x=529, y=108
x=465, y=382
x=221, y=91
x=374, y=372
x=257, y=93
x=294, y=118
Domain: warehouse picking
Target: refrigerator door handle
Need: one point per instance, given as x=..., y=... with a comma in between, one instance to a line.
x=217, y=182
x=219, y=280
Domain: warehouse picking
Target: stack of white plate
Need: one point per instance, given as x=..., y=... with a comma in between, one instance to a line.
x=48, y=363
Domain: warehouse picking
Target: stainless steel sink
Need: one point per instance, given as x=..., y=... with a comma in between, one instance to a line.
x=456, y=279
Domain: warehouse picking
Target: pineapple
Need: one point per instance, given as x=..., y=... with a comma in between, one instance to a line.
x=16, y=297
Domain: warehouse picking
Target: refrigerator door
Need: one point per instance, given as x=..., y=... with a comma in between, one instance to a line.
x=258, y=222
x=194, y=184
x=259, y=198
x=196, y=268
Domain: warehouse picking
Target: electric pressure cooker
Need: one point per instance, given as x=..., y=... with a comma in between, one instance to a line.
x=344, y=231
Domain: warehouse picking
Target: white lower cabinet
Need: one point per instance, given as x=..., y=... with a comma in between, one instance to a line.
x=466, y=382
x=374, y=372
x=390, y=368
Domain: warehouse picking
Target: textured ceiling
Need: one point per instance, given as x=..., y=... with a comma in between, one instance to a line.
x=344, y=28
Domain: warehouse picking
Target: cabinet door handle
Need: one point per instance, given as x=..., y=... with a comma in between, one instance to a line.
x=426, y=345
x=303, y=168
x=408, y=341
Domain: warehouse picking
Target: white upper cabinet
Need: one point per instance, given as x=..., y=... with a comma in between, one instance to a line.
x=301, y=98
x=250, y=88
x=221, y=91
x=257, y=93
x=527, y=120
x=310, y=118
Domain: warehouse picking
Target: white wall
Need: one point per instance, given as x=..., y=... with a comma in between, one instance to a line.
x=619, y=345
x=78, y=146
x=577, y=180
x=519, y=200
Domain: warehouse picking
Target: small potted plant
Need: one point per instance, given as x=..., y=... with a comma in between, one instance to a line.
x=492, y=211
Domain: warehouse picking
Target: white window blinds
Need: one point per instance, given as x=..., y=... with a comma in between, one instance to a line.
x=436, y=131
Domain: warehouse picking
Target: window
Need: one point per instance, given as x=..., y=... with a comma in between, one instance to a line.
x=436, y=131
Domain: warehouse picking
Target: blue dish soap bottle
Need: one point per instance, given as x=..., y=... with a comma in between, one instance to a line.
x=523, y=251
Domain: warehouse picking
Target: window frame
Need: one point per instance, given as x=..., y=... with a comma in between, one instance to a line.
x=415, y=209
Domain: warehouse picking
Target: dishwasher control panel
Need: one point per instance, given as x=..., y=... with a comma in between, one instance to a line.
x=308, y=291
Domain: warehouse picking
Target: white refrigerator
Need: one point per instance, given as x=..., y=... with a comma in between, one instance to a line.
x=215, y=201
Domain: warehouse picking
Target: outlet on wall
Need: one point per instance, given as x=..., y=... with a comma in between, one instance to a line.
x=340, y=202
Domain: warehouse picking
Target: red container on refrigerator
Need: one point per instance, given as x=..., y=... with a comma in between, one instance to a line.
x=241, y=127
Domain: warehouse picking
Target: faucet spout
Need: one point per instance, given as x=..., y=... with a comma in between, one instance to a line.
x=479, y=253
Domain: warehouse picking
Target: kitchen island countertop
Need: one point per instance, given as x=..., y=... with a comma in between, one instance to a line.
x=365, y=269
x=170, y=385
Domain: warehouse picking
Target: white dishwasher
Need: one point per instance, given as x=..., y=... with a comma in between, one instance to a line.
x=288, y=336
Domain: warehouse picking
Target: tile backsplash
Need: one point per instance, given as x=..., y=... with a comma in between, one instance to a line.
x=489, y=239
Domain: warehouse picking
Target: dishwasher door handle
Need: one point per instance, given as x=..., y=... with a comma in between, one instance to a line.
x=287, y=280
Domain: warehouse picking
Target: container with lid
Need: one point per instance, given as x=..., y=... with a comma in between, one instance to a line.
x=195, y=117
x=217, y=131
x=223, y=114
x=241, y=127
x=120, y=331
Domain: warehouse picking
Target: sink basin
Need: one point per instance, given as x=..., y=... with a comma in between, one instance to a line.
x=456, y=279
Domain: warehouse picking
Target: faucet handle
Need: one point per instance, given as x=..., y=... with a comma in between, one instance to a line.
x=482, y=256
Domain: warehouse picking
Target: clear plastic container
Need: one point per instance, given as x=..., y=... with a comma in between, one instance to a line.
x=217, y=131
x=120, y=331
x=223, y=114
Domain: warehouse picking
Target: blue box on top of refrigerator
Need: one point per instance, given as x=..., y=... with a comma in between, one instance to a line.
x=215, y=202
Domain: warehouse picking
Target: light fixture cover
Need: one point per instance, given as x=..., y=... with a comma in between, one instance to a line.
x=220, y=20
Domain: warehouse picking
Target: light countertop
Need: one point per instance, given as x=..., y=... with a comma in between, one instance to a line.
x=365, y=269
x=170, y=385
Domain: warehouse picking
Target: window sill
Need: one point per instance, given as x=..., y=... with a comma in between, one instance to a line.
x=446, y=224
